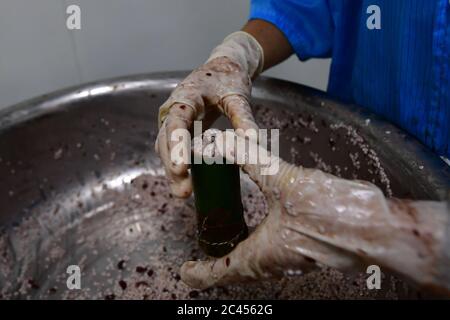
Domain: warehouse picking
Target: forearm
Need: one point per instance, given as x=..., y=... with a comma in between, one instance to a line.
x=406, y=237
x=275, y=45
x=422, y=230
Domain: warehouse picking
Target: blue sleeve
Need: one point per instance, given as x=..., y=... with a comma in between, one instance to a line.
x=307, y=24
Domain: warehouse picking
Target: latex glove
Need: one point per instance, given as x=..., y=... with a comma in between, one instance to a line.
x=221, y=85
x=316, y=218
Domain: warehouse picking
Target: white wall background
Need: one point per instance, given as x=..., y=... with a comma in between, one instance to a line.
x=38, y=54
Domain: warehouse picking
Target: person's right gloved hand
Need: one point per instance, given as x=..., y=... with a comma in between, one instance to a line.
x=317, y=218
x=221, y=85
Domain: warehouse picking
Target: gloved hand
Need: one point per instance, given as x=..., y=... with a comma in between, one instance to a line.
x=316, y=218
x=221, y=85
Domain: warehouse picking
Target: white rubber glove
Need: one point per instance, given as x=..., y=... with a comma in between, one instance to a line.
x=316, y=218
x=221, y=85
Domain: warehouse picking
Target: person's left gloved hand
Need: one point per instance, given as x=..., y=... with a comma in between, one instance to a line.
x=317, y=218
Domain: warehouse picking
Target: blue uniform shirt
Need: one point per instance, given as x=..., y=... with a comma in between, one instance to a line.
x=400, y=71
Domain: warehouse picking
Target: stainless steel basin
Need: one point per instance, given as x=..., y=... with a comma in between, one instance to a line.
x=81, y=185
